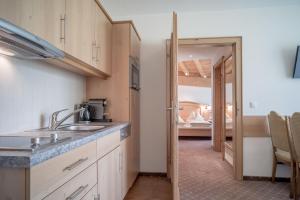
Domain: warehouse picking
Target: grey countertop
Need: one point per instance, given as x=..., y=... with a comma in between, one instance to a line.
x=27, y=159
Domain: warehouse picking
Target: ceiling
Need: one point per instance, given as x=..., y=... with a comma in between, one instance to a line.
x=148, y=7
x=196, y=61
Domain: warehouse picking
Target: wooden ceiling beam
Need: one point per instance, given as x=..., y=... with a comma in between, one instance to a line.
x=200, y=69
x=183, y=68
x=194, y=81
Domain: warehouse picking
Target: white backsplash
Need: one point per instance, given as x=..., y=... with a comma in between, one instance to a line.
x=31, y=90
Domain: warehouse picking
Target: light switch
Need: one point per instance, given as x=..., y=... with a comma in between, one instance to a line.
x=253, y=104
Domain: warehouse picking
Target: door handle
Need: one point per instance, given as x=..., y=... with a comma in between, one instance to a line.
x=169, y=108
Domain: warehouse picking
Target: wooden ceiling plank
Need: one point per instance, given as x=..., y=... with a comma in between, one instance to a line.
x=200, y=68
x=183, y=68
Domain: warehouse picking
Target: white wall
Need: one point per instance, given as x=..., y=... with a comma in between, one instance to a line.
x=31, y=90
x=270, y=36
x=196, y=94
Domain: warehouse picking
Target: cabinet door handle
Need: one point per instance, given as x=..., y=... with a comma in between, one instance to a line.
x=75, y=164
x=94, y=57
x=62, y=28
x=98, y=52
x=77, y=192
x=97, y=197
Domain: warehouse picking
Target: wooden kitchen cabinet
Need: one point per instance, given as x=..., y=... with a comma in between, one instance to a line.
x=17, y=12
x=80, y=29
x=49, y=21
x=135, y=129
x=59, y=170
x=109, y=176
x=92, y=194
x=76, y=188
x=124, y=102
x=43, y=18
x=134, y=44
x=103, y=41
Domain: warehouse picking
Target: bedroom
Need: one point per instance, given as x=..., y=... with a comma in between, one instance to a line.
x=202, y=96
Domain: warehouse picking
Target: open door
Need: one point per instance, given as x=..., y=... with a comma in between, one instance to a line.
x=218, y=131
x=174, y=110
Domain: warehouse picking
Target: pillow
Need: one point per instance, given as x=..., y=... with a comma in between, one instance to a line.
x=198, y=118
x=180, y=120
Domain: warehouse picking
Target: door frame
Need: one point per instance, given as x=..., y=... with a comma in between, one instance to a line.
x=237, y=108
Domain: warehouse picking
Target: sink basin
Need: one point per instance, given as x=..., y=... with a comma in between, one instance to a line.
x=81, y=128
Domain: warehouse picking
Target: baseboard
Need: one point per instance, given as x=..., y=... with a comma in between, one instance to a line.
x=260, y=178
x=158, y=174
x=194, y=138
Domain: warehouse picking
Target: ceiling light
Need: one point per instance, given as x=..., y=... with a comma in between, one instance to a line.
x=6, y=52
x=186, y=74
x=204, y=76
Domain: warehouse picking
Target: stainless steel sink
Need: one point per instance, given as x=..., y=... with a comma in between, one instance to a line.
x=81, y=127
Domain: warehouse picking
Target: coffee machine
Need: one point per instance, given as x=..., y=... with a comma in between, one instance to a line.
x=97, y=109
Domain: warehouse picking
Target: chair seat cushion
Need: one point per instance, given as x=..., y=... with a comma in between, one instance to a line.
x=283, y=155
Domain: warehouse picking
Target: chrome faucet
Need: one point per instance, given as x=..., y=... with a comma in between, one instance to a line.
x=54, y=123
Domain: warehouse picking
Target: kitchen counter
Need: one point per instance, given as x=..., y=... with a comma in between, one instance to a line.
x=27, y=159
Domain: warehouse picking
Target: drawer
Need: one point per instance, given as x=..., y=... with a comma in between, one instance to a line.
x=107, y=143
x=77, y=187
x=92, y=194
x=51, y=174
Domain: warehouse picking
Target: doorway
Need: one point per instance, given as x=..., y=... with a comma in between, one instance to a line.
x=231, y=112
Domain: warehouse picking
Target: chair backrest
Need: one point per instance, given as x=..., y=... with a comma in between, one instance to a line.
x=278, y=131
x=294, y=127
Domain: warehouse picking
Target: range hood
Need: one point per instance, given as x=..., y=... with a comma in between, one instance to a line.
x=17, y=42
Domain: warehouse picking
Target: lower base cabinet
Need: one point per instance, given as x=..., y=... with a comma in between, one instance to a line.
x=92, y=194
x=77, y=187
x=109, y=176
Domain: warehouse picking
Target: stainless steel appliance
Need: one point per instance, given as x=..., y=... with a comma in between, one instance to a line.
x=97, y=109
x=17, y=42
x=134, y=67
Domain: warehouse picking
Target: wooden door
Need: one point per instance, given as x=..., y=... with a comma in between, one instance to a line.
x=218, y=105
x=174, y=110
x=103, y=41
x=109, y=176
x=80, y=29
x=49, y=21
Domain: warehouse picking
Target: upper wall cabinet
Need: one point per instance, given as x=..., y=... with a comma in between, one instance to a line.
x=49, y=21
x=42, y=17
x=80, y=29
x=134, y=43
x=17, y=12
x=103, y=41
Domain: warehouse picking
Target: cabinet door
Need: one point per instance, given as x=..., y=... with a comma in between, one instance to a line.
x=134, y=44
x=17, y=12
x=109, y=176
x=49, y=21
x=92, y=194
x=103, y=38
x=135, y=124
x=80, y=29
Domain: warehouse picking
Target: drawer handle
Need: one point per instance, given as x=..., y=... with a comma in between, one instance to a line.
x=75, y=164
x=77, y=192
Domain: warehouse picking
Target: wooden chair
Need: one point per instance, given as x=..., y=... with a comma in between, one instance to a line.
x=278, y=130
x=294, y=133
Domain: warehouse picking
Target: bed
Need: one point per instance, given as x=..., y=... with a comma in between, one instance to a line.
x=195, y=119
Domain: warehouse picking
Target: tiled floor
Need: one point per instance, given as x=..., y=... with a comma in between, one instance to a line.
x=150, y=188
x=204, y=176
